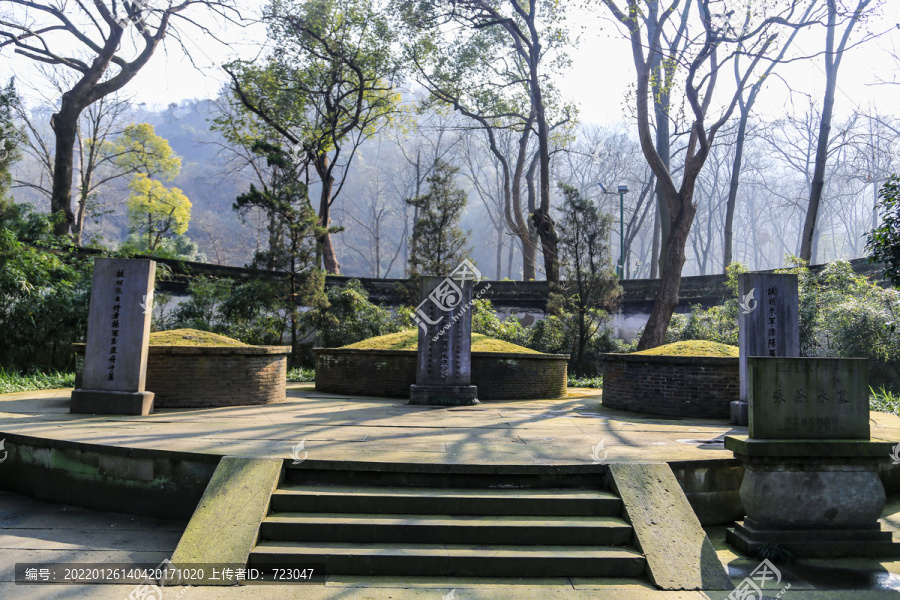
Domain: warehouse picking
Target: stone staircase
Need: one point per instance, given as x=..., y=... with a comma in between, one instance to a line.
x=447, y=522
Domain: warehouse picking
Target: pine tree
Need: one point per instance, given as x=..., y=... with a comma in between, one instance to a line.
x=438, y=244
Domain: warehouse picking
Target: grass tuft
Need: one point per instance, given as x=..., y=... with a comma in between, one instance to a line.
x=16, y=382
x=586, y=382
x=883, y=400
x=301, y=375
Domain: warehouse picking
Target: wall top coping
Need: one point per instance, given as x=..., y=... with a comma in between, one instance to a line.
x=516, y=355
x=210, y=350
x=671, y=360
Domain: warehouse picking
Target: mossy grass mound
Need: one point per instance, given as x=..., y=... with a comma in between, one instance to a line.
x=694, y=348
x=409, y=340
x=192, y=337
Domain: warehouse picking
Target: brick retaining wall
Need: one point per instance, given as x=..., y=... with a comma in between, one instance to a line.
x=671, y=386
x=389, y=373
x=204, y=376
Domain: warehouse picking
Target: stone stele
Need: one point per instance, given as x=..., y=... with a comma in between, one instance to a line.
x=768, y=325
x=118, y=336
x=444, y=369
x=809, y=398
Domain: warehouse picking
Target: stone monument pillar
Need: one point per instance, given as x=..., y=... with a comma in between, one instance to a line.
x=811, y=478
x=768, y=325
x=118, y=336
x=444, y=315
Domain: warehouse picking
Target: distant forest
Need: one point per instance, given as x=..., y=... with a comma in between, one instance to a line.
x=393, y=166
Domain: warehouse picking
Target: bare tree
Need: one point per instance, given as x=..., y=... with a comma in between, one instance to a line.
x=714, y=42
x=47, y=32
x=833, y=57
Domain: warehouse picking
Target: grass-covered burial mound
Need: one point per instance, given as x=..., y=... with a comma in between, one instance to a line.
x=385, y=366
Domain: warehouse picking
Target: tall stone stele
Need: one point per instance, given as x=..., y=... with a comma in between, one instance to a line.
x=444, y=369
x=118, y=338
x=768, y=325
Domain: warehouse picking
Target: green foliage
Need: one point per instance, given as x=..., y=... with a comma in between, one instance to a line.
x=842, y=314
x=301, y=375
x=43, y=296
x=884, y=241
x=883, y=400
x=438, y=245
x=349, y=316
x=156, y=210
x=20, y=382
x=580, y=306
x=139, y=150
x=485, y=321
x=586, y=382
x=179, y=247
x=9, y=139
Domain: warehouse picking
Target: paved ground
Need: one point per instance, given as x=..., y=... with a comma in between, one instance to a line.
x=343, y=428
x=335, y=427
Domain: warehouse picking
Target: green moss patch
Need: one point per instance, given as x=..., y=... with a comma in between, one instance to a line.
x=409, y=340
x=192, y=337
x=694, y=348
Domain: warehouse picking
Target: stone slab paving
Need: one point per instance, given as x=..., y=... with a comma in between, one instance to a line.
x=334, y=427
x=377, y=429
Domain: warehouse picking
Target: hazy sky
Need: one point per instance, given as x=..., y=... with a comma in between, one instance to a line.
x=601, y=70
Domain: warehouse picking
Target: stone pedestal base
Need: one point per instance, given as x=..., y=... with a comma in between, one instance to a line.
x=103, y=402
x=815, y=540
x=817, y=498
x=740, y=413
x=443, y=395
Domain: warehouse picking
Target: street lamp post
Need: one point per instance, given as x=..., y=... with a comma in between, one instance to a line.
x=623, y=189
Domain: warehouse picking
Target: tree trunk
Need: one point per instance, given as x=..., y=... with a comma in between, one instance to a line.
x=65, y=128
x=654, y=252
x=728, y=251
x=670, y=281
x=832, y=65
x=329, y=258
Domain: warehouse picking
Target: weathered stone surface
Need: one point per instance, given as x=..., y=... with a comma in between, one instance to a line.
x=444, y=355
x=118, y=327
x=115, y=364
x=679, y=555
x=769, y=319
x=800, y=494
x=445, y=343
x=225, y=524
x=809, y=398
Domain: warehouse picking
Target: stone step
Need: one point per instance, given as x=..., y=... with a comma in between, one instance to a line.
x=444, y=501
x=332, y=558
x=447, y=529
x=451, y=476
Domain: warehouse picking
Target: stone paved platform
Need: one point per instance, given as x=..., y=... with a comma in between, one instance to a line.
x=333, y=427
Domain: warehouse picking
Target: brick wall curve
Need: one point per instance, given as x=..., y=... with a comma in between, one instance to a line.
x=389, y=373
x=670, y=386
